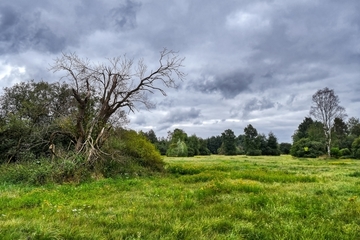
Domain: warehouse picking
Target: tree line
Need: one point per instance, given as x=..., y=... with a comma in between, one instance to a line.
x=179, y=144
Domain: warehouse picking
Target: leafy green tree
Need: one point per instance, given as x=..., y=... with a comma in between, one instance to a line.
x=285, y=148
x=29, y=113
x=263, y=148
x=315, y=132
x=162, y=145
x=252, y=143
x=203, y=150
x=151, y=136
x=176, y=135
x=214, y=143
x=193, y=145
x=178, y=149
x=340, y=133
x=355, y=147
x=228, y=142
x=353, y=126
x=272, y=145
x=302, y=131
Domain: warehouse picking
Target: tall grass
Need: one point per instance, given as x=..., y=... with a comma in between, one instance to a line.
x=199, y=198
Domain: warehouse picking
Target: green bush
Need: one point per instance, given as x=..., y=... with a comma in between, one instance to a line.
x=127, y=147
x=335, y=152
x=345, y=152
x=254, y=152
x=307, y=148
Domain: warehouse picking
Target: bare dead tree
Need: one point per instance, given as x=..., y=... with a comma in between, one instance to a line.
x=104, y=91
x=325, y=109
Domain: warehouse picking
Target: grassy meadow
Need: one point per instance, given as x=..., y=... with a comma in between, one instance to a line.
x=214, y=197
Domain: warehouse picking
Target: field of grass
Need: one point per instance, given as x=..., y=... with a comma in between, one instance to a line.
x=214, y=197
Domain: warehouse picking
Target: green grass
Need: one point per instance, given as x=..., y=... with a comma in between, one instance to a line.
x=213, y=197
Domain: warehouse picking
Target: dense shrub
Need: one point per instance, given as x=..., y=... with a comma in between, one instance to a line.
x=345, y=152
x=307, y=148
x=254, y=152
x=335, y=152
x=127, y=147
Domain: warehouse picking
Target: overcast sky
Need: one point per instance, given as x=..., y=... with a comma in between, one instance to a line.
x=247, y=62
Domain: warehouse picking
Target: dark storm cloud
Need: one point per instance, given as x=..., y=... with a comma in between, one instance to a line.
x=20, y=32
x=181, y=115
x=228, y=86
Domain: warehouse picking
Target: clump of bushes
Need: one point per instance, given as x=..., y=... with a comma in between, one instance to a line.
x=307, y=148
x=124, y=153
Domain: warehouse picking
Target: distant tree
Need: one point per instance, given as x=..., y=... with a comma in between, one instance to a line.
x=340, y=133
x=177, y=147
x=302, y=131
x=151, y=136
x=228, y=142
x=252, y=144
x=263, y=145
x=203, y=149
x=326, y=108
x=353, y=126
x=285, y=148
x=214, y=143
x=272, y=145
x=162, y=145
x=104, y=93
x=315, y=132
x=356, y=148
x=176, y=135
x=193, y=145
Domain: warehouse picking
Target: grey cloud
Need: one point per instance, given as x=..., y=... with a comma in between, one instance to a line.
x=20, y=32
x=258, y=104
x=228, y=86
x=180, y=115
x=124, y=16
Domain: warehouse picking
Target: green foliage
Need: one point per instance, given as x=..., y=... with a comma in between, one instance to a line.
x=251, y=140
x=228, y=142
x=307, y=148
x=128, y=147
x=29, y=111
x=193, y=145
x=335, y=152
x=178, y=149
x=285, y=148
x=345, y=152
x=302, y=131
x=254, y=152
x=356, y=148
x=214, y=143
